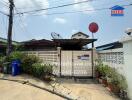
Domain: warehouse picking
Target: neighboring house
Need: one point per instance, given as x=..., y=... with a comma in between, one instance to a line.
x=3, y=44
x=114, y=45
x=38, y=45
x=79, y=35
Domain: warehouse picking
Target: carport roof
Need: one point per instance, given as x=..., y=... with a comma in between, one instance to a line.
x=80, y=42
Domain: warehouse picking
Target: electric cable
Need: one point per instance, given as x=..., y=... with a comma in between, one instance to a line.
x=87, y=10
x=60, y=6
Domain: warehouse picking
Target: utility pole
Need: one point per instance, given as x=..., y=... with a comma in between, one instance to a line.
x=10, y=26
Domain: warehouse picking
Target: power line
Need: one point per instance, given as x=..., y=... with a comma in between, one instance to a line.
x=65, y=5
x=4, y=3
x=53, y=2
x=20, y=22
x=3, y=13
x=87, y=10
x=36, y=11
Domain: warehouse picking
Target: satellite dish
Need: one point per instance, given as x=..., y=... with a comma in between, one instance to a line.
x=128, y=31
x=55, y=35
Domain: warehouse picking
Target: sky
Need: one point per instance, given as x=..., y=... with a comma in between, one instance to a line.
x=40, y=25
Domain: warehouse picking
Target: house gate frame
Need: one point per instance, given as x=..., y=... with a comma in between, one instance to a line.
x=73, y=63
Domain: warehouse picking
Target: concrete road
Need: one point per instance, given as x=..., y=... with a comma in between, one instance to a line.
x=16, y=91
x=85, y=90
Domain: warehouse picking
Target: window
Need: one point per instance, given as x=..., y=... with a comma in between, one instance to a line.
x=79, y=34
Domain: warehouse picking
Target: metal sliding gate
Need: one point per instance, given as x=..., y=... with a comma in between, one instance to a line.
x=76, y=63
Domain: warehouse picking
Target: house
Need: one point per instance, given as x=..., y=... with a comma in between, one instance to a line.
x=113, y=45
x=66, y=55
x=65, y=44
x=38, y=45
x=3, y=44
x=79, y=35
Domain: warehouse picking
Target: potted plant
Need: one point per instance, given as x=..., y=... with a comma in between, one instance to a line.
x=1, y=63
x=123, y=88
x=103, y=69
x=98, y=71
x=113, y=82
x=104, y=81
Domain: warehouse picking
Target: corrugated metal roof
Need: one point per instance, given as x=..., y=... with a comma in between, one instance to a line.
x=4, y=41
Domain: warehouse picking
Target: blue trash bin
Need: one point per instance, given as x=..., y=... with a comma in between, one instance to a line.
x=15, y=67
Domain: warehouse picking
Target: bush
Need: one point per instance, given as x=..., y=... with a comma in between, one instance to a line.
x=1, y=60
x=26, y=60
x=14, y=55
x=27, y=63
x=37, y=69
x=104, y=70
x=122, y=83
x=30, y=64
x=40, y=70
x=112, y=75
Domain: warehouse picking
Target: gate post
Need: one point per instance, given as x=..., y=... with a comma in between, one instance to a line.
x=59, y=56
x=93, y=56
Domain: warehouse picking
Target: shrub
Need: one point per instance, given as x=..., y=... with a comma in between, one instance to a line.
x=1, y=60
x=26, y=60
x=104, y=70
x=122, y=82
x=37, y=70
x=40, y=70
x=30, y=64
x=14, y=55
x=1, y=63
x=27, y=63
x=112, y=76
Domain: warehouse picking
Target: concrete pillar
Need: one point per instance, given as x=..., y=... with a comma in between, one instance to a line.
x=95, y=56
x=127, y=49
x=59, y=59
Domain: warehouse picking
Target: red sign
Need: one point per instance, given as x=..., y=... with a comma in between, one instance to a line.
x=93, y=27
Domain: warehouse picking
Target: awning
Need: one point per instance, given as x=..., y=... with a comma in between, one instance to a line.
x=74, y=42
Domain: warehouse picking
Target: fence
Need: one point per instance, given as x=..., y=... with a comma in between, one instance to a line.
x=47, y=57
x=113, y=58
x=67, y=63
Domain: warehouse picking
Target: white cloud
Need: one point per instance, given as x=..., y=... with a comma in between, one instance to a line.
x=84, y=6
x=74, y=31
x=60, y=20
x=28, y=5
